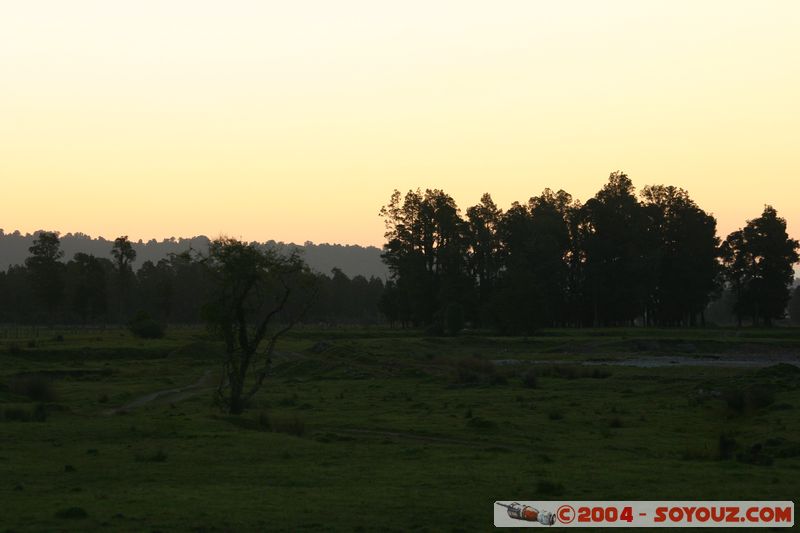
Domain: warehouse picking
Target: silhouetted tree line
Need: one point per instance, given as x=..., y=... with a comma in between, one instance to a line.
x=618, y=259
x=100, y=290
x=351, y=259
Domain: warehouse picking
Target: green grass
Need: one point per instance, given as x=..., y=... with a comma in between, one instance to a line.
x=380, y=430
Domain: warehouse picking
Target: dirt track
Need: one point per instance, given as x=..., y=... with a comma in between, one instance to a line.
x=166, y=395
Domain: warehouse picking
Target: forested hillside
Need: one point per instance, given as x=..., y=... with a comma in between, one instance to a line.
x=353, y=260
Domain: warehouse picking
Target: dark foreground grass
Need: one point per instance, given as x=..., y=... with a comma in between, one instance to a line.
x=373, y=432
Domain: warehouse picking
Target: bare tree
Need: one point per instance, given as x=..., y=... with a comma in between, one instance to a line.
x=260, y=295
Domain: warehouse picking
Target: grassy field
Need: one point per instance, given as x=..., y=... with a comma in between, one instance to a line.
x=375, y=429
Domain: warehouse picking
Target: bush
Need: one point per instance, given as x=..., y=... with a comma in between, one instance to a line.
x=788, y=450
x=696, y=454
x=529, y=380
x=146, y=327
x=37, y=388
x=573, y=372
x=290, y=425
x=760, y=397
x=726, y=445
x=157, y=457
x=481, y=424
x=72, y=512
x=17, y=414
x=14, y=349
x=755, y=455
x=599, y=373
x=741, y=401
x=474, y=370
x=39, y=413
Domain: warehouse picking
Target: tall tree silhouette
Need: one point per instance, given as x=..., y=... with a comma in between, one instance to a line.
x=517, y=302
x=738, y=272
x=485, y=251
x=123, y=254
x=618, y=253
x=87, y=277
x=550, y=214
x=426, y=253
x=758, y=264
x=535, y=241
x=156, y=284
x=46, y=271
x=687, y=252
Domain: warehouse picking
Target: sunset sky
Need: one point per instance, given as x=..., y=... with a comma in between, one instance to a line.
x=295, y=121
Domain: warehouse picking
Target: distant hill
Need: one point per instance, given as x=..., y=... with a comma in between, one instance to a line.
x=351, y=259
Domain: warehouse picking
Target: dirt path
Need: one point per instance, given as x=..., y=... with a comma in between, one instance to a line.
x=166, y=395
x=204, y=383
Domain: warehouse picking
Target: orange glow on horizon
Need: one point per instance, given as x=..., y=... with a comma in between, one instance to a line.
x=295, y=122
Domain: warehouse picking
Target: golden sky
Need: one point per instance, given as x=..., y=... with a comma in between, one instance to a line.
x=295, y=120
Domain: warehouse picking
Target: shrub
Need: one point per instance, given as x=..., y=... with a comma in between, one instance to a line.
x=479, y=423
x=789, y=450
x=474, y=370
x=752, y=399
x=573, y=372
x=37, y=388
x=735, y=400
x=72, y=512
x=17, y=414
x=146, y=327
x=529, y=380
x=726, y=445
x=755, y=455
x=760, y=397
x=157, y=457
x=566, y=372
x=599, y=373
x=276, y=423
x=40, y=413
x=14, y=349
x=696, y=454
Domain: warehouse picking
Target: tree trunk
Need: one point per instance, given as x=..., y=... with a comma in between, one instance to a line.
x=236, y=406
